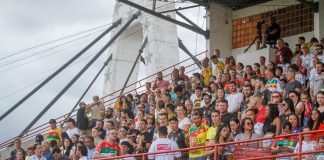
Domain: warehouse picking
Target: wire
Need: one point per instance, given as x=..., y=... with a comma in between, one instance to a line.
x=46, y=50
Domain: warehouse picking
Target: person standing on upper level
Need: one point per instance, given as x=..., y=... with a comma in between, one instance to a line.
x=160, y=82
x=71, y=129
x=95, y=110
x=282, y=51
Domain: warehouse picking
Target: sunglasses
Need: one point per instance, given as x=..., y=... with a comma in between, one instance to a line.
x=248, y=123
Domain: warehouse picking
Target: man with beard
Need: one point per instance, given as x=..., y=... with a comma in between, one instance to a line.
x=109, y=116
x=109, y=147
x=99, y=125
x=247, y=92
x=159, y=82
x=234, y=99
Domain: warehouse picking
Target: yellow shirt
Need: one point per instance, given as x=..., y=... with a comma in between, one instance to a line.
x=197, y=135
x=206, y=73
x=54, y=134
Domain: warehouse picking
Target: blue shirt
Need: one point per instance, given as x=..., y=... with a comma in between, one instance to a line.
x=90, y=152
x=48, y=155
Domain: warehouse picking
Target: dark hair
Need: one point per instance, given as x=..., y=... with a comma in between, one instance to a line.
x=144, y=120
x=273, y=113
x=197, y=112
x=178, y=88
x=196, y=75
x=90, y=138
x=302, y=38
x=311, y=122
x=280, y=68
x=171, y=106
x=294, y=114
x=296, y=93
x=163, y=130
x=83, y=149
x=223, y=101
x=287, y=124
x=218, y=132
x=130, y=147
x=215, y=111
x=53, y=143
x=68, y=149
x=152, y=116
x=290, y=104
x=252, y=110
x=243, y=123
x=173, y=119
x=56, y=150
x=263, y=80
x=163, y=114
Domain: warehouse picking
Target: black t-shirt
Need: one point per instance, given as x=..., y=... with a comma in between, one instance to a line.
x=179, y=137
x=291, y=86
x=226, y=118
x=276, y=35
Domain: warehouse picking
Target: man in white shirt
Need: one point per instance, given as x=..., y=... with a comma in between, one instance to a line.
x=72, y=130
x=163, y=144
x=234, y=99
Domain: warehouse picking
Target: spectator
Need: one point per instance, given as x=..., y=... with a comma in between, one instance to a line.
x=82, y=119
x=148, y=88
x=272, y=84
x=294, y=120
x=71, y=129
x=17, y=148
x=292, y=84
x=306, y=56
x=223, y=109
x=57, y=154
x=234, y=99
x=308, y=145
x=215, y=123
x=286, y=108
x=163, y=144
x=127, y=149
x=320, y=142
x=89, y=143
x=96, y=136
x=82, y=152
x=197, y=135
x=182, y=73
x=272, y=118
x=20, y=155
x=176, y=134
x=217, y=53
x=217, y=66
x=184, y=122
x=206, y=71
x=283, y=51
x=189, y=106
x=316, y=81
x=262, y=90
x=147, y=136
x=67, y=147
x=247, y=133
x=222, y=134
x=96, y=110
x=29, y=153
x=109, y=147
x=99, y=126
x=299, y=106
x=176, y=76
x=315, y=123
x=38, y=153
x=285, y=145
x=247, y=93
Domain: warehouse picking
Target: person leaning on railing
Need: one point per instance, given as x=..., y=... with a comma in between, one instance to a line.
x=284, y=145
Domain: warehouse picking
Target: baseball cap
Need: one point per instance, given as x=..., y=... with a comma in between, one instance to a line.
x=206, y=95
x=52, y=121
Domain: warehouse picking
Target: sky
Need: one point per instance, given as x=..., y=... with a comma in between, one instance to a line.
x=29, y=23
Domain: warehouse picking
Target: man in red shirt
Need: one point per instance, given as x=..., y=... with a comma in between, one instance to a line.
x=148, y=88
x=109, y=147
x=282, y=51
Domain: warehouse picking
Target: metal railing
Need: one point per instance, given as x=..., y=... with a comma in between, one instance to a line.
x=41, y=129
x=220, y=145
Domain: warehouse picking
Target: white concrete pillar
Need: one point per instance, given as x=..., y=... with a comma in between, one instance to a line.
x=219, y=24
x=160, y=52
x=319, y=21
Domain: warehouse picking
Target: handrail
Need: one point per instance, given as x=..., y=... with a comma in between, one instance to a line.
x=231, y=143
x=26, y=134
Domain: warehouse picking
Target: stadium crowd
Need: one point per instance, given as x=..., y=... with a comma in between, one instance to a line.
x=227, y=101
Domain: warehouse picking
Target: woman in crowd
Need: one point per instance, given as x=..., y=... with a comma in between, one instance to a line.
x=184, y=122
x=293, y=119
x=246, y=133
x=158, y=95
x=20, y=155
x=150, y=123
x=222, y=136
x=117, y=115
x=67, y=147
x=286, y=108
x=220, y=94
x=248, y=73
x=75, y=141
x=272, y=118
x=298, y=105
x=256, y=69
x=315, y=123
x=96, y=136
x=307, y=145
